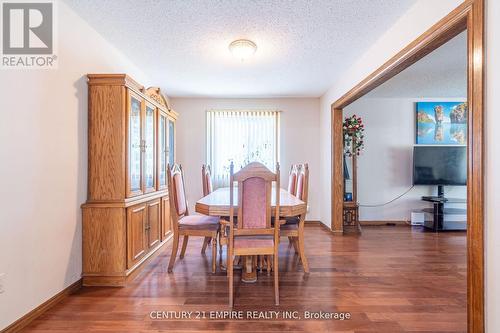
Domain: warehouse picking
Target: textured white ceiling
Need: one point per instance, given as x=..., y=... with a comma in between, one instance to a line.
x=442, y=73
x=183, y=44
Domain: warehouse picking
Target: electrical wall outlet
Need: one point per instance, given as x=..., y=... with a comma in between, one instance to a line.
x=2, y=282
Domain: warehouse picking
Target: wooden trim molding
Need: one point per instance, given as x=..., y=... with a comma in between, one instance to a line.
x=314, y=223
x=39, y=310
x=468, y=16
x=440, y=33
x=475, y=167
x=115, y=79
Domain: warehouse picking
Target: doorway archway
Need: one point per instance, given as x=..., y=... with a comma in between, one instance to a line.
x=469, y=16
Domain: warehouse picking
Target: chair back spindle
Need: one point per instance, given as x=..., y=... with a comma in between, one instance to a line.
x=302, y=191
x=177, y=194
x=292, y=179
x=206, y=179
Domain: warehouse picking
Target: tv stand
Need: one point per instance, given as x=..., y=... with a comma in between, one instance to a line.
x=439, y=212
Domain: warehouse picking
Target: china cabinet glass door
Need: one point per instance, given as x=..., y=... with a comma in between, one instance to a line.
x=171, y=142
x=162, y=152
x=149, y=149
x=134, y=147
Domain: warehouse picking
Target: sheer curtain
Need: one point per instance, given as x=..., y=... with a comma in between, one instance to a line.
x=240, y=137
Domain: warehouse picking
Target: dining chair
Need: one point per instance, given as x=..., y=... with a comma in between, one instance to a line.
x=206, y=179
x=294, y=226
x=292, y=179
x=207, y=185
x=184, y=224
x=292, y=188
x=253, y=235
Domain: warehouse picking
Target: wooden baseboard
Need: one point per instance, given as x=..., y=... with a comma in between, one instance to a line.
x=384, y=223
x=36, y=312
x=316, y=223
x=379, y=223
x=104, y=281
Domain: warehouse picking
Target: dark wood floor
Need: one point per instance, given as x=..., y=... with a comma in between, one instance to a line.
x=390, y=279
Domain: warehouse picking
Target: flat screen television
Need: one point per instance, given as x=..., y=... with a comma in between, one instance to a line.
x=439, y=165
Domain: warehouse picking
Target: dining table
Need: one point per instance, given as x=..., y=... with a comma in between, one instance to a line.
x=217, y=203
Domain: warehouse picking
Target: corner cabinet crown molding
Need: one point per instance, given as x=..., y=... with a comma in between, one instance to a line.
x=131, y=140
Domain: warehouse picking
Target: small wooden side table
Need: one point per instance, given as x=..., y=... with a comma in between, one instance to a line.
x=351, y=217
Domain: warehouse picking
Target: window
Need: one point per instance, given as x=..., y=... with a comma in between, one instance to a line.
x=241, y=137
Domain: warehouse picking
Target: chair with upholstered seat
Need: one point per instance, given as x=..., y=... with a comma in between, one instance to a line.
x=184, y=224
x=254, y=235
x=294, y=226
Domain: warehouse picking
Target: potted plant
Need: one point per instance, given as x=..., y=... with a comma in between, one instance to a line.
x=353, y=128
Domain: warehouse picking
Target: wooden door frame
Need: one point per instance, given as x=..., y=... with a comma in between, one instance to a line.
x=469, y=16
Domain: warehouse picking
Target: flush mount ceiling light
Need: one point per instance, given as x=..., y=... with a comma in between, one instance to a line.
x=242, y=48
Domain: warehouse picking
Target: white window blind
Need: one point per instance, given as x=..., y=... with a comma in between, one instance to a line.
x=241, y=137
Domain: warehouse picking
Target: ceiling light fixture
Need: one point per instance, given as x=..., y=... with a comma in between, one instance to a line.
x=242, y=48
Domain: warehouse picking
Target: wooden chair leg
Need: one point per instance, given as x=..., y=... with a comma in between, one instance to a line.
x=295, y=245
x=302, y=252
x=214, y=253
x=220, y=250
x=184, y=246
x=290, y=241
x=276, y=285
x=175, y=246
x=230, y=275
x=269, y=265
x=238, y=260
x=206, y=241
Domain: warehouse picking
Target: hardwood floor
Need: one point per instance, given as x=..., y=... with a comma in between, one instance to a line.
x=390, y=279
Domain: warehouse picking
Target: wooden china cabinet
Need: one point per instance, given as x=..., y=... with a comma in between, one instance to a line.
x=131, y=140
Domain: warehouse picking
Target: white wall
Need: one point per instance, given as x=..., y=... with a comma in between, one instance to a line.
x=299, y=138
x=44, y=166
x=416, y=20
x=492, y=167
x=385, y=166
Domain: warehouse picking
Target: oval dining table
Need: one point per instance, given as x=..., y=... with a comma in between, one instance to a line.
x=217, y=204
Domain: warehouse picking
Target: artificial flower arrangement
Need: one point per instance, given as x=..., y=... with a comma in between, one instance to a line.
x=353, y=128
